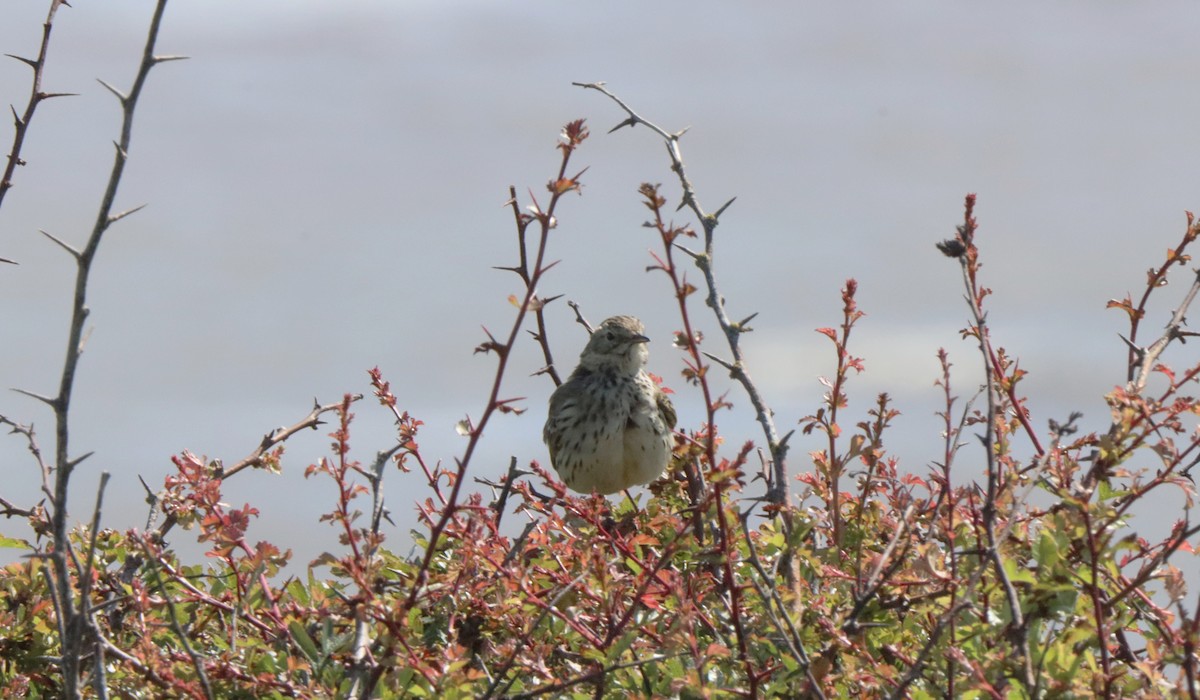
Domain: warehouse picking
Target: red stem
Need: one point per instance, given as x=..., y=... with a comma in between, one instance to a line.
x=546, y=222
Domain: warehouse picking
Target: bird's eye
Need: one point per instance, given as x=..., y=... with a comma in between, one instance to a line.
x=610, y=335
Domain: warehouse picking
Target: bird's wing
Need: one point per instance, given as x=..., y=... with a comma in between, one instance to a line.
x=666, y=408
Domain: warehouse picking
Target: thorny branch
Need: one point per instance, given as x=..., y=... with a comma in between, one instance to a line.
x=697, y=373
x=522, y=222
x=263, y=453
x=73, y=615
x=733, y=330
x=266, y=452
x=963, y=248
x=573, y=135
x=36, y=96
x=1143, y=360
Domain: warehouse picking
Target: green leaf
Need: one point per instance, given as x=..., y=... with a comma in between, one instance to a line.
x=304, y=641
x=1016, y=574
x=299, y=592
x=13, y=543
x=616, y=650
x=1047, y=550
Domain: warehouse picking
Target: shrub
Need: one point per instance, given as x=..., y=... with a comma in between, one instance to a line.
x=870, y=580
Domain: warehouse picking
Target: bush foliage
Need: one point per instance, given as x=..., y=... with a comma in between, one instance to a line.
x=743, y=572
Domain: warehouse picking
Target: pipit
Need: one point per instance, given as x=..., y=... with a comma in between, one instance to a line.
x=609, y=426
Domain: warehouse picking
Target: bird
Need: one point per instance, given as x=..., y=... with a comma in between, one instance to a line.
x=609, y=426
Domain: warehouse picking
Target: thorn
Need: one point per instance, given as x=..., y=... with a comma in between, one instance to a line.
x=1135, y=348
x=151, y=497
x=26, y=61
x=727, y=365
x=48, y=95
x=691, y=254
x=52, y=403
x=117, y=217
x=120, y=95
x=10, y=262
x=164, y=59
x=124, y=155
x=65, y=246
x=16, y=117
x=631, y=121
x=742, y=325
x=86, y=334
x=72, y=463
x=724, y=206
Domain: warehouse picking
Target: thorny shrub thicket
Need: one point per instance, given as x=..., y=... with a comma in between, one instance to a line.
x=868, y=580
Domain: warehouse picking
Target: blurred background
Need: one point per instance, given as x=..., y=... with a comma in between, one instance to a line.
x=325, y=185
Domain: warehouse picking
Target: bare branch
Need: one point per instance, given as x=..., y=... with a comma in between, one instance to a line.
x=279, y=435
x=36, y=96
x=73, y=620
x=1148, y=358
x=579, y=317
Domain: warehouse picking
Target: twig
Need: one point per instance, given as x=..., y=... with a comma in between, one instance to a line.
x=502, y=672
x=963, y=248
x=579, y=316
x=1156, y=278
x=918, y=665
x=31, y=442
x=555, y=688
x=279, y=435
x=878, y=576
x=85, y=593
x=173, y=616
x=61, y=403
x=573, y=135
x=522, y=270
x=1143, y=361
x=36, y=96
x=705, y=261
x=791, y=635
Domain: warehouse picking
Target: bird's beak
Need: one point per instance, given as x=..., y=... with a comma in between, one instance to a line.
x=639, y=339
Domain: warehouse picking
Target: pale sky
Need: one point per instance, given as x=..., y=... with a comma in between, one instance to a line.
x=325, y=183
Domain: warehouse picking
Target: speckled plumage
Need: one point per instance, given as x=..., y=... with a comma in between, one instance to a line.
x=609, y=425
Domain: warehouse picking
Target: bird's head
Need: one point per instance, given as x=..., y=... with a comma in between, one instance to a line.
x=617, y=344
